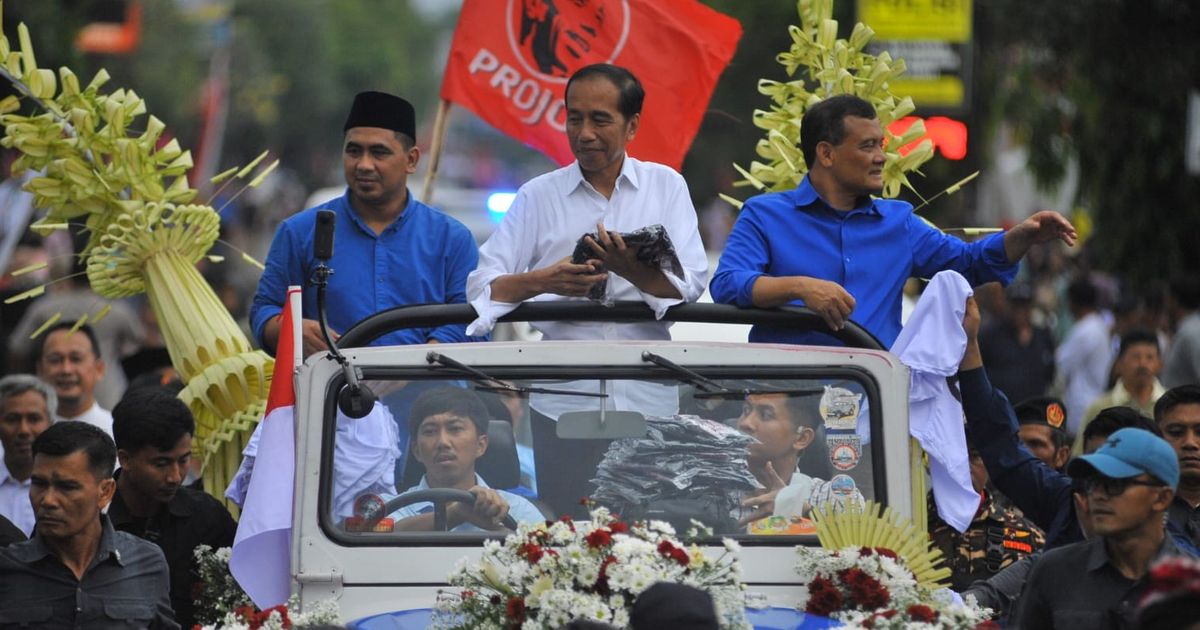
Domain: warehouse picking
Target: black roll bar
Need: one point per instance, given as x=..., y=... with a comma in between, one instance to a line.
x=431, y=315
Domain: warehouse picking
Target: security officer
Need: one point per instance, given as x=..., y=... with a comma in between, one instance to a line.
x=997, y=537
x=1043, y=429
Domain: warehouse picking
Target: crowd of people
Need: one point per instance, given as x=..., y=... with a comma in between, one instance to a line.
x=1082, y=414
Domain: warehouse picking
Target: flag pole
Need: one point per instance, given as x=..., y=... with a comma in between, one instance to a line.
x=435, y=149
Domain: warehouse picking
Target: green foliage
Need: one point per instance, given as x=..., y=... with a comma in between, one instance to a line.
x=1107, y=80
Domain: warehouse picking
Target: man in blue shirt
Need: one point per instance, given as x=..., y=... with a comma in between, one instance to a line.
x=389, y=249
x=829, y=245
x=448, y=429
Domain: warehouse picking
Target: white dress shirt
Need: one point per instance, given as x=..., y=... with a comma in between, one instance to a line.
x=1082, y=363
x=14, y=500
x=95, y=415
x=549, y=215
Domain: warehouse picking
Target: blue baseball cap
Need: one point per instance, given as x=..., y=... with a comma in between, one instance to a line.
x=1129, y=453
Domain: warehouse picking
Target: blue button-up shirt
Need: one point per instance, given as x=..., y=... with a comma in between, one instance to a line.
x=870, y=251
x=423, y=257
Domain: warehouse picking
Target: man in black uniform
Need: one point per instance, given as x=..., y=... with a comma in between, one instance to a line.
x=153, y=432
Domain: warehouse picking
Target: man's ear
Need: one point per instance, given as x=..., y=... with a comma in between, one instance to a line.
x=1163, y=501
x=100, y=368
x=108, y=487
x=123, y=457
x=414, y=156
x=825, y=153
x=481, y=445
x=1061, y=456
x=634, y=123
x=803, y=439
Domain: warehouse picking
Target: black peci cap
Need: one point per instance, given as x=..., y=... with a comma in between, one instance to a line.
x=386, y=111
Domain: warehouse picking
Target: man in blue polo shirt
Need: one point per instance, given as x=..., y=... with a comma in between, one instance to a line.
x=389, y=249
x=833, y=247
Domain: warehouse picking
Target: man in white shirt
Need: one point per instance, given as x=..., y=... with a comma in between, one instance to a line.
x=25, y=404
x=69, y=360
x=1083, y=359
x=604, y=192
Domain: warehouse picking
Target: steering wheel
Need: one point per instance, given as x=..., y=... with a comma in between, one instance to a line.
x=439, y=497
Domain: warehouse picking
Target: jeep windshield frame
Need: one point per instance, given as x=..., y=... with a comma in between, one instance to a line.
x=366, y=331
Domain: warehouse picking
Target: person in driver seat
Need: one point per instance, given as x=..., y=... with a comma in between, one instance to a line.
x=448, y=431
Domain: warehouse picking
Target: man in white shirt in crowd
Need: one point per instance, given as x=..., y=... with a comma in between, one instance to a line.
x=25, y=404
x=1083, y=358
x=69, y=360
x=604, y=192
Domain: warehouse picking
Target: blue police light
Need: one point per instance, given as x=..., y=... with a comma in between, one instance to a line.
x=498, y=203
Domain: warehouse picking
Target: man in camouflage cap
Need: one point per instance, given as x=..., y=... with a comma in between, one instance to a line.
x=998, y=535
x=1043, y=423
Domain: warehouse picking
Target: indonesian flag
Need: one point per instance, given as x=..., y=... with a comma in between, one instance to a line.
x=511, y=59
x=262, y=549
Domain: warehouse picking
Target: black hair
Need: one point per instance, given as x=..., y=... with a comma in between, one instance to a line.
x=83, y=328
x=825, y=122
x=631, y=92
x=405, y=140
x=460, y=402
x=1137, y=336
x=67, y=438
x=1172, y=398
x=1186, y=291
x=1113, y=419
x=151, y=416
x=1082, y=294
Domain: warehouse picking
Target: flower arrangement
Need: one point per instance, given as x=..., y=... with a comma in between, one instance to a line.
x=875, y=570
x=221, y=604
x=546, y=574
x=868, y=587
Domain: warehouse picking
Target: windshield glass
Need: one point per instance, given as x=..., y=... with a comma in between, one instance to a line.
x=744, y=451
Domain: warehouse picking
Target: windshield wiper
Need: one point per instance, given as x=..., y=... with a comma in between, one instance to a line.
x=488, y=383
x=713, y=389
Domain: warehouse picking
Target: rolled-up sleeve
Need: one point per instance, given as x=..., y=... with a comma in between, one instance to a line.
x=745, y=258
x=508, y=250
x=679, y=219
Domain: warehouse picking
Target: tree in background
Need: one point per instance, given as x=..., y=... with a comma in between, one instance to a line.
x=1106, y=81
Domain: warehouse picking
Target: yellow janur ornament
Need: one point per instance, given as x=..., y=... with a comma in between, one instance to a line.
x=146, y=234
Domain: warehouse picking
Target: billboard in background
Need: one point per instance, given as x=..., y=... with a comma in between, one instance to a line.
x=934, y=39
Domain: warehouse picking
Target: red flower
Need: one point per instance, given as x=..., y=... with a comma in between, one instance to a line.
x=866, y=592
x=824, y=598
x=921, y=612
x=864, y=552
x=530, y=552
x=681, y=556
x=665, y=548
x=987, y=625
x=887, y=553
x=598, y=538
x=601, y=584
x=618, y=527
x=515, y=609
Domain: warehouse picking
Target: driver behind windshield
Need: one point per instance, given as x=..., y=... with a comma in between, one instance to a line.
x=790, y=461
x=448, y=432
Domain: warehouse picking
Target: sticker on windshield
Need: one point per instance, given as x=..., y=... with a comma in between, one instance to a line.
x=844, y=451
x=839, y=408
x=842, y=485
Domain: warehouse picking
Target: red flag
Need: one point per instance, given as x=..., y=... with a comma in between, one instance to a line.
x=510, y=61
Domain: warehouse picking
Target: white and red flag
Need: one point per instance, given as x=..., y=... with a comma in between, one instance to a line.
x=262, y=549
